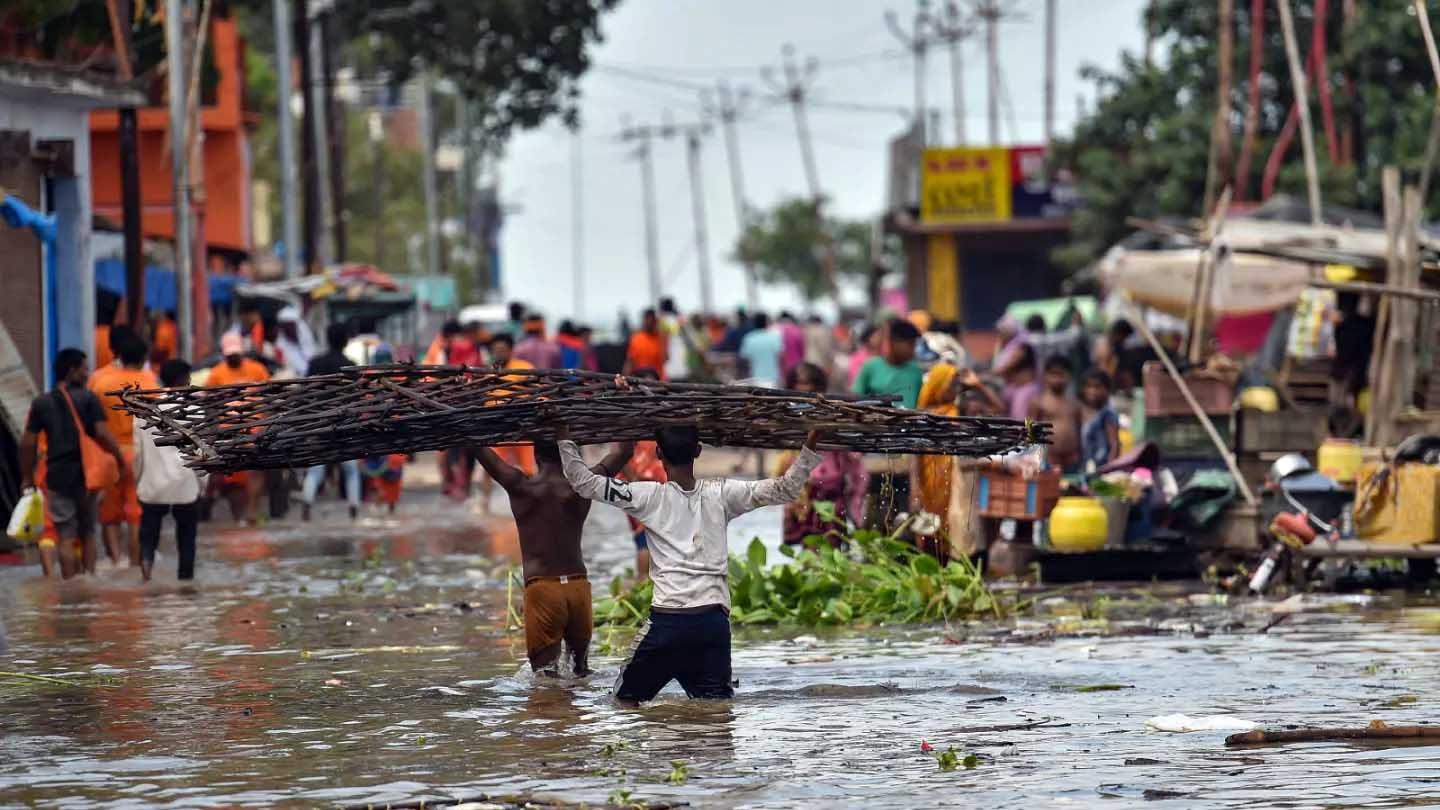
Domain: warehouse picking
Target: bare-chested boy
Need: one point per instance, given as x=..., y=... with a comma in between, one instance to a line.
x=1057, y=406
x=550, y=517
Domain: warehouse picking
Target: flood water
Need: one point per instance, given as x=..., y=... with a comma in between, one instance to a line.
x=336, y=665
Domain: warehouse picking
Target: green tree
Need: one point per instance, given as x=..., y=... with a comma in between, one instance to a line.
x=518, y=59
x=1143, y=151
x=784, y=246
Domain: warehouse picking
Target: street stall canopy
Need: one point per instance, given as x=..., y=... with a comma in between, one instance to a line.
x=1264, y=259
x=160, y=284
x=351, y=281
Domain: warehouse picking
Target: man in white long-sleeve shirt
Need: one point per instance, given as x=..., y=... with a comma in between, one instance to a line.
x=688, y=635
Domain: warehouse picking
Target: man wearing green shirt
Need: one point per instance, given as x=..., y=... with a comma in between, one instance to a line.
x=895, y=372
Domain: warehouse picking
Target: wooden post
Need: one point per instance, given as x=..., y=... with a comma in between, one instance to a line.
x=1406, y=316
x=1197, y=313
x=1379, y=372
x=1220, y=162
x=1302, y=103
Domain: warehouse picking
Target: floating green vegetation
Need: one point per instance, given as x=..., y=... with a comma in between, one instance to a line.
x=873, y=579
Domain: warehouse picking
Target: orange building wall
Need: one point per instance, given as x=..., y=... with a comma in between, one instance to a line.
x=226, y=155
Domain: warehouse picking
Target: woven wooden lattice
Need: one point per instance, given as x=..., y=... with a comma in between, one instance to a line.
x=403, y=408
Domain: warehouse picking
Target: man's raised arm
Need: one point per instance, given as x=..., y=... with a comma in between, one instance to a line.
x=632, y=498
x=615, y=460
x=505, y=474
x=747, y=496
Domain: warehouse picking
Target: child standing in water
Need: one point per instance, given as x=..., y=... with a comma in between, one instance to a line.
x=688, y=635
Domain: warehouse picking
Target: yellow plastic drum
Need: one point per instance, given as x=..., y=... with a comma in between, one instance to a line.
x=1078, y=524
x=1340, y=459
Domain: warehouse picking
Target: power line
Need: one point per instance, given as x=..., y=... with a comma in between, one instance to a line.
x=849, y=60
x=640, y=76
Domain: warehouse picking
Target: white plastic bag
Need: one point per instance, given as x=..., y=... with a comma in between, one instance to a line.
x=1183, y=724
x=27, y=522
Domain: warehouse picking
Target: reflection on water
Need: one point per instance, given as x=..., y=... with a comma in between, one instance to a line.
x=333, y=665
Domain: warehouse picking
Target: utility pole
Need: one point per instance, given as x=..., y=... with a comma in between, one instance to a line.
x=288, y=190
x=697, y=202
x=129, y=145
x=729, y=111
x=577, y=225
x=427, y=153
x=953, y=29
x=916, y=42
x=795, y=88
x=465, y=180
x=334, y=134
x=196, y=33
x=991, y=12
x=642, y=136
x=316, y=120
x=309, y=176
x=375, y=123
x=180, y=174
x=1049, y=72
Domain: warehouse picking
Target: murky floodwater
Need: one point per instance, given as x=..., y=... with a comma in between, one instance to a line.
x=338, y=665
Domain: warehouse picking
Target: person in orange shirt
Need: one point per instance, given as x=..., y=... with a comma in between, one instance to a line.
x=119, y=504
x=648, y=347
x=167, y=340
x=242, y=489
x=236, y=367
x=502, y=356
x=103, y=355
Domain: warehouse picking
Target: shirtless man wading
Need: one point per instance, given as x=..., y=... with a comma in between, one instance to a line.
x=550, y=516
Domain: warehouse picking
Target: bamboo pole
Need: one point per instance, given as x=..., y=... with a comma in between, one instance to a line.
x=1378, y=375
x=1196, y=313
x=1138, y=321
x=1375, y=731
x=1406, y=316
x=1370, y=288
x=1302, y=103
x=1432, y=144
x=1220, y=163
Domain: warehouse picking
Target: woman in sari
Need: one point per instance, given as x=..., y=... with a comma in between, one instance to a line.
x=944, y=485
x=840, y=478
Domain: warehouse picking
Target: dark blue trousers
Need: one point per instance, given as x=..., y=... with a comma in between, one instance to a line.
x=692, y=648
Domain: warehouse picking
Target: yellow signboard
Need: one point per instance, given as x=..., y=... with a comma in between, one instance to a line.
x=965, y=185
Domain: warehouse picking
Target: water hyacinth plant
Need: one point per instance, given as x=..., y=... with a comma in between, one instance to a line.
x=874, y=579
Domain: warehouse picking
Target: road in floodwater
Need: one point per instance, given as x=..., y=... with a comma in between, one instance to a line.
x=338, y=664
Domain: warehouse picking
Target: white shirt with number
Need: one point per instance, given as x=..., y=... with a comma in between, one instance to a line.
x=689, y=547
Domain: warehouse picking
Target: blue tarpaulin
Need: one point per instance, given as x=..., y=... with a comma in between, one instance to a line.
x=160, y=284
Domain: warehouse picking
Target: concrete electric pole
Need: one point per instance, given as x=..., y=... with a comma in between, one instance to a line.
x=916, y=41
x=728, y=111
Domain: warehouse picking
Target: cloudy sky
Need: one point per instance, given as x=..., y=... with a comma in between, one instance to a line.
x=656, y=55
